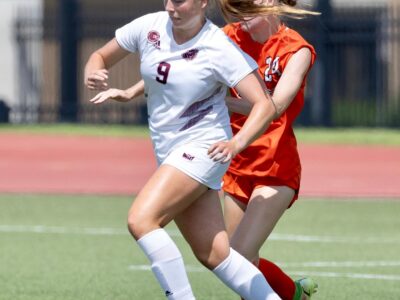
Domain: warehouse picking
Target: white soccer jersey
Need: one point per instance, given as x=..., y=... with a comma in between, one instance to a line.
x=185, y=84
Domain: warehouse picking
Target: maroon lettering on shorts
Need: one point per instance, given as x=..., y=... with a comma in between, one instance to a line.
x=188, y=156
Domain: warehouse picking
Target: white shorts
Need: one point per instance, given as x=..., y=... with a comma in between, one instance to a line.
x=193, y=160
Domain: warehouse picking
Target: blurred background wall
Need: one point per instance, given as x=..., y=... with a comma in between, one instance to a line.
x=9, y=75
x=355, y=81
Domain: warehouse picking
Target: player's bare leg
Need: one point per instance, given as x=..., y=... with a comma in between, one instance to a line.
x=167, y=193
x=265, y=208
x=203, y=227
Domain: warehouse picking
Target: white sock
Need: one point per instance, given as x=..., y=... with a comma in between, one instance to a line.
x=167, y=264
x=244, y=278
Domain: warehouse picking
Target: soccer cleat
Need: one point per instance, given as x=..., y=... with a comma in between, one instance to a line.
x=307, y=286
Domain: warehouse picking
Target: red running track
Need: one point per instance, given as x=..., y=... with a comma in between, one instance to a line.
x=120, y=166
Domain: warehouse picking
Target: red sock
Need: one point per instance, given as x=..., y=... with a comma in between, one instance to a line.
x=281, y=283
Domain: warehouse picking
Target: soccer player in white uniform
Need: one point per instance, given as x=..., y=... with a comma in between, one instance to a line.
x=186, y=64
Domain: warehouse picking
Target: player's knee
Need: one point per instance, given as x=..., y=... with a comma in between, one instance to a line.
x=133, y=227
x=211, y=258
x=139, y=225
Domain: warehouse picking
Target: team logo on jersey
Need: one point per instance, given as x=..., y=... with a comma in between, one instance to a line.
x=153, y=37
x=191, y=54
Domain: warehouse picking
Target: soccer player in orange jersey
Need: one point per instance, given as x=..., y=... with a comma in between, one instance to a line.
x=264, y=179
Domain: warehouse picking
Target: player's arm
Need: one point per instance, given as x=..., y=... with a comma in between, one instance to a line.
x=96, y=69
x=286, y=88
x=262, y=113
x=120, y=95
x=291, y=79
x=262, y=109
x=238, y=105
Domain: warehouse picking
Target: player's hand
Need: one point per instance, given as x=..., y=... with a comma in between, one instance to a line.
x=223, y=151
x=97, y=80
x=111, y=94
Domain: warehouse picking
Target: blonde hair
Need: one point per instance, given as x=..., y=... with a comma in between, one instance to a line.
x=240, y=9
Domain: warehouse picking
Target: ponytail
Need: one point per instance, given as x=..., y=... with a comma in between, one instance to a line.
x=240, y=9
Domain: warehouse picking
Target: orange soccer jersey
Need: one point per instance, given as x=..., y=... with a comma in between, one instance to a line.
x=273, y=158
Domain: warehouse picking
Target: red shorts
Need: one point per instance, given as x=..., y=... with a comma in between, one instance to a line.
x=241, y=187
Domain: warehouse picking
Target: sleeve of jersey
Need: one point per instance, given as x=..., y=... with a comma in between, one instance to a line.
x=293, y=43
x=231, y=64
x=129, y=36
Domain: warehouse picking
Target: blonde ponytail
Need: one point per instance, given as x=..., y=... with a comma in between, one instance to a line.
x=240, y=9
